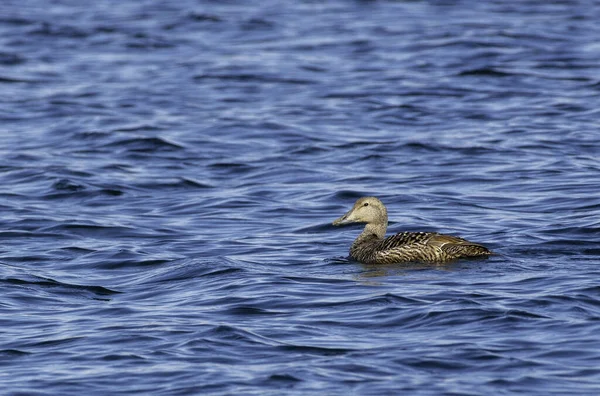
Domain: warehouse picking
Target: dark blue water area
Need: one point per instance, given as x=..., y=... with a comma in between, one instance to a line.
x=170, y=172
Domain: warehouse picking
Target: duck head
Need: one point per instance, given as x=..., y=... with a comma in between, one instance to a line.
x=368, y=210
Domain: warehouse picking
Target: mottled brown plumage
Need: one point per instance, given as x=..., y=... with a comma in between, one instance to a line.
x=371, y=246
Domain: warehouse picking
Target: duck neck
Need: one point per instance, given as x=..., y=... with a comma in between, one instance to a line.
x=373, y=229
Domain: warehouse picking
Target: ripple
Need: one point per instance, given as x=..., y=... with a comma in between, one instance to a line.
x=60, y=287
x=253, y=78
x=146, y=145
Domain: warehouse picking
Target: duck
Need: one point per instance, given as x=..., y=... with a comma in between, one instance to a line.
x=372, y=247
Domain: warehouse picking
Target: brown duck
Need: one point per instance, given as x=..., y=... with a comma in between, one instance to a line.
x=372, y=247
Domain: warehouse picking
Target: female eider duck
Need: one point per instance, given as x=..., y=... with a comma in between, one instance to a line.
x=371, y=247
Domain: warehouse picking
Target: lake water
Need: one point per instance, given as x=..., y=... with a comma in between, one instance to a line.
x=170, y=172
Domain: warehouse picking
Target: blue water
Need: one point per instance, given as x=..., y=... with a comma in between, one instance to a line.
x=170, y=171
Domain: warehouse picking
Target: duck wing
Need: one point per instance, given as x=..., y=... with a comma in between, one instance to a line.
x=458, y=247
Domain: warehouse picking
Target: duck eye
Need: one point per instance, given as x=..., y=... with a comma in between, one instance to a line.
x=366, y=204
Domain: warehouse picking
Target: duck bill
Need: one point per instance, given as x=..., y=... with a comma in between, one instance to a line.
x=342, y=220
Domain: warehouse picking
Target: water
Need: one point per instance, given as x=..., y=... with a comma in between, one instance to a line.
x=170, y=172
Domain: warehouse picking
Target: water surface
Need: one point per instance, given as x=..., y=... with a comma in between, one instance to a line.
x=170, y=172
